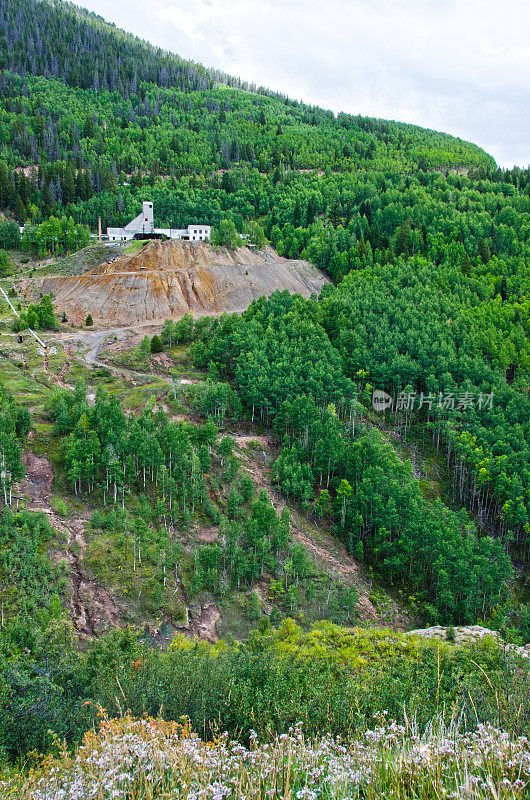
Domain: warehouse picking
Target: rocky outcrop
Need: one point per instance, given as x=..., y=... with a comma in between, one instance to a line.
x=168, y=279
x=468, y=635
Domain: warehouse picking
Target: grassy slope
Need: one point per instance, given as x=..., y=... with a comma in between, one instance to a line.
x=32, y=380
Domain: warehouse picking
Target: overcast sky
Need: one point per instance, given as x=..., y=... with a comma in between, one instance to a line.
x=460, y=66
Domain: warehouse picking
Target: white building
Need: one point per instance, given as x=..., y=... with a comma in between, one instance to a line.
x=143, y=226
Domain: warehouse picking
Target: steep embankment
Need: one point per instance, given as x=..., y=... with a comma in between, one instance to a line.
x=167, y=279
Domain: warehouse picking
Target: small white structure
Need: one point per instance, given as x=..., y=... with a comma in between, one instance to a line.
x=143, y=226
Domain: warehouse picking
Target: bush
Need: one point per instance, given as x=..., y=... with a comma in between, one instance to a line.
x=89, y=321
x=148, y=757
x=59, y=506
x=331, y=679
x=145, y=347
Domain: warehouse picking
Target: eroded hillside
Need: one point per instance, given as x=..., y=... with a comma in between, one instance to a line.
x=167, y=279
x=107, y=580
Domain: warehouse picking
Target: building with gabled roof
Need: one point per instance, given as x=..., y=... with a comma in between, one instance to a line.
x=143, y=227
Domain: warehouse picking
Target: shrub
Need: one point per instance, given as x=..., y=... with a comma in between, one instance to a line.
x=59, y=506
x=141, y=758
x=145, y=346
x=334, y=680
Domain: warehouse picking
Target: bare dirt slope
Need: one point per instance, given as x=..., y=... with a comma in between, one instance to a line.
x=326, y=550
x=92, y=607
x=167, y=279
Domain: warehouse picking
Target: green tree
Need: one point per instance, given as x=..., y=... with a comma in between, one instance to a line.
x=225, y=235
x=484, y=250
x=5, y=264
x=145, y=347
x=9, y=235
x=156, y=344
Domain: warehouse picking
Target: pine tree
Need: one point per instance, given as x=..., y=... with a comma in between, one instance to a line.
x=310, y=214
x=335, y=211
x=156, y=344
x=69, y=185
x=484, y=251
x=403, y=239
x=47, y=200
x=18, y=209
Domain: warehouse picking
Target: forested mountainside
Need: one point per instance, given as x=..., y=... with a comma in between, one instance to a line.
x=96, y=152
x=99, y=118
x=363, y=456
x=60, y=40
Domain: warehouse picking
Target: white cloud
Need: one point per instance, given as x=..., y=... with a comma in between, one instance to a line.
x=461, y=67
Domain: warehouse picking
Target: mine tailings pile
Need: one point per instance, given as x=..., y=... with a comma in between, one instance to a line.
x=168, y=279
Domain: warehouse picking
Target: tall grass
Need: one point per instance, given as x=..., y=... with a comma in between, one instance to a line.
x=144, y=759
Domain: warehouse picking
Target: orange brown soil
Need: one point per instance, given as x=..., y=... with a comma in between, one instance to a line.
x=38, y=479
x=168, y=279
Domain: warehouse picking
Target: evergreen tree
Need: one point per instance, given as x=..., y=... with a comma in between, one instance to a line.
x=156, y=344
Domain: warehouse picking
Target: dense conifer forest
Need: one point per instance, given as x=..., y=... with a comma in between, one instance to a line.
x=427, y=246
